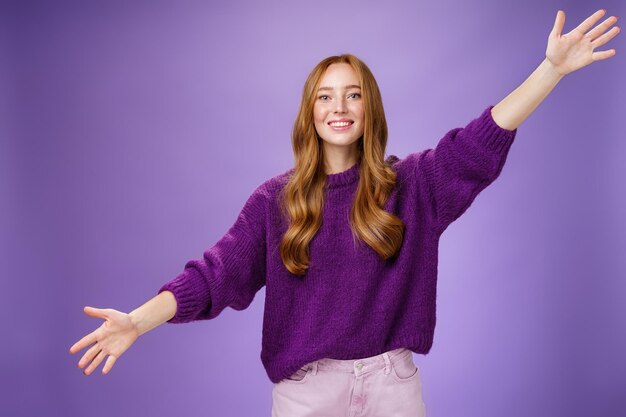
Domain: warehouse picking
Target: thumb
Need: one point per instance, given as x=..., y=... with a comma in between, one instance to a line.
x=95, y=312
x=559, y=22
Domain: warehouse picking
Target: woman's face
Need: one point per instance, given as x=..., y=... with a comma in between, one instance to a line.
x=339, y=100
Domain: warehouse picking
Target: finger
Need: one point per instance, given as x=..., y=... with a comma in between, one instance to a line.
x=600, y=55
x=95, y=312
x=601, y=28
x=89, y=355
x=590, y=21
x=94, y=364
x=558, y=23
x=108, y=364
x=84, y=342
x=606, y=37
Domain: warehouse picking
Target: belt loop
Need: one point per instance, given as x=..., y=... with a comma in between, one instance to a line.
x=314, y=367
x=387, y=363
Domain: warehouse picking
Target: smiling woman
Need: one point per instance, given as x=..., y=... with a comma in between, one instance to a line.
x=346, y=242
x=338, y=115
x=340, y=128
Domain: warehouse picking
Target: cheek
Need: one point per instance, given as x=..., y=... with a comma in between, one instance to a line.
x=318, y=116
x=358, y=111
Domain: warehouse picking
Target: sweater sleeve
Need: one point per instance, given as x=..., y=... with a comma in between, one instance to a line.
x=464, y=162
x=230, y=272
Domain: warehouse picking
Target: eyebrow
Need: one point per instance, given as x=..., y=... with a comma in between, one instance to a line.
x=347, y=87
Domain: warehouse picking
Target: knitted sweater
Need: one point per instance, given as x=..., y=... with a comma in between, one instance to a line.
x=350, y=304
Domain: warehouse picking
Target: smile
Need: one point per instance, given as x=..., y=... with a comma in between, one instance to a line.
x=340, y=125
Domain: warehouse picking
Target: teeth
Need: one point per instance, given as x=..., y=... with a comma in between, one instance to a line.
x=340, y=123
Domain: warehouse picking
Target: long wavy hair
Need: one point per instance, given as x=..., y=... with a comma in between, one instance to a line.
x=302, y=198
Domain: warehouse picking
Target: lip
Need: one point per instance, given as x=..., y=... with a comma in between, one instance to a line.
x=341, y=128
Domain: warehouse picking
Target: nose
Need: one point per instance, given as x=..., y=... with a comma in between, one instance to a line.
x=340, y=106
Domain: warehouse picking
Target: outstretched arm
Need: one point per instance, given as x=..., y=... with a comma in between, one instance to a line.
x=120, y=330
x=564, y=54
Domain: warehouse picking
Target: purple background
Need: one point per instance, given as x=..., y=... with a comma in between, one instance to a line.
x=133, y=132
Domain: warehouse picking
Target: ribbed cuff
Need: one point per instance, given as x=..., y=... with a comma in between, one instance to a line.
x=489, y=134
x=192, y=295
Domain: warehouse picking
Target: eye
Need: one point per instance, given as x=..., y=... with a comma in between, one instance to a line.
x=320, y=97
x=356, y=94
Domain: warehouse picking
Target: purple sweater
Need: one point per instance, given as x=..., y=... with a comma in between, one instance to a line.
x=350, y=304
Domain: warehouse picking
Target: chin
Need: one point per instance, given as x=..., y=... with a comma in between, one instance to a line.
x=341, y=142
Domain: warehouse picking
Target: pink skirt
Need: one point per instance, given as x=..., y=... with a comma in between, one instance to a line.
x=383, y=385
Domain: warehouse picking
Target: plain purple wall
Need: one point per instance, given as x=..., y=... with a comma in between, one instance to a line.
x=133, y=132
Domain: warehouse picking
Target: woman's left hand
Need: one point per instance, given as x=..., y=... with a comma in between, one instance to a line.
x=574, y=50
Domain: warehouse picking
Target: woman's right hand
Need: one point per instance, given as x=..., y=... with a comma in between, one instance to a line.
x=112, y=338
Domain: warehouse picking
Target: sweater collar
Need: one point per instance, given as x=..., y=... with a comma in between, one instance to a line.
x=348, y=176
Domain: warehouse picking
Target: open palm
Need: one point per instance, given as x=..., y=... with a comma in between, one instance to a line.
x=574, y=50
x=111, y=339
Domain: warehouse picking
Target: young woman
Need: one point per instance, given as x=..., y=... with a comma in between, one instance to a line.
x=346, y=242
